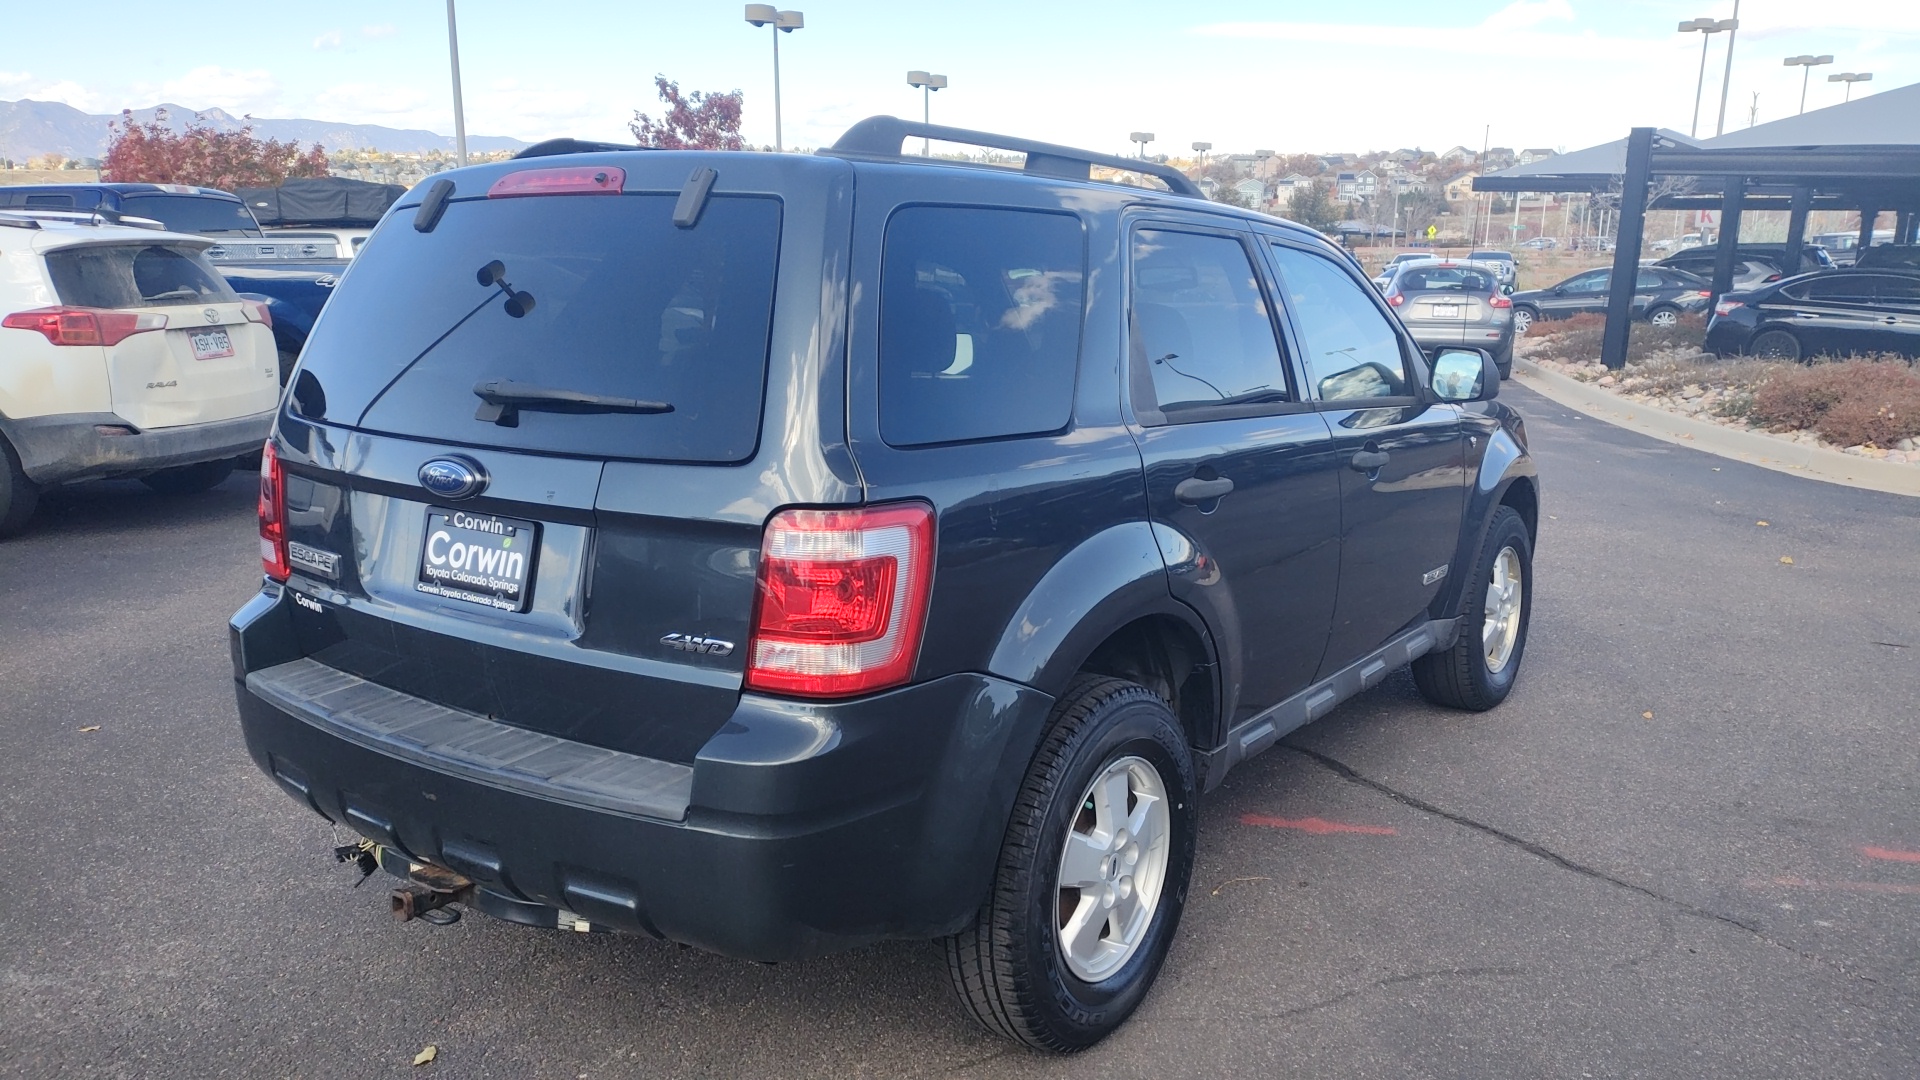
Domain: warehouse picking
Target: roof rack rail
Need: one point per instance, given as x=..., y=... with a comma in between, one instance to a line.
x=882, y=137
x=552, y=147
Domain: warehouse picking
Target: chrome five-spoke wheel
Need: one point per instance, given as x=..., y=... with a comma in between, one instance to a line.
x=1501, y=628
x=1112, y=868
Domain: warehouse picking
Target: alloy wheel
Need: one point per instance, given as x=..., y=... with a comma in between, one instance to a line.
x=1112, y=868
x=1500, y=630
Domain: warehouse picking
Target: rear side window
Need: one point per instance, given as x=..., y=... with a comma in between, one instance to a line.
x=129, y=276
x=624, y=305
x=49, y=201
x=980, y=313
x=193, y=213
x=1840, y=288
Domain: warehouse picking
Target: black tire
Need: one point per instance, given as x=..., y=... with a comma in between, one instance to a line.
x=1462, y=677
x=287, y=357
x=1663, y=315
x=1776, y=345
x=18, y=495
x=189, y=479
x=1523, y=319
x=1008, y=967
x=1504, y=361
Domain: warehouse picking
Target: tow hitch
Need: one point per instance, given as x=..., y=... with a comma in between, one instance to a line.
x=427, y=890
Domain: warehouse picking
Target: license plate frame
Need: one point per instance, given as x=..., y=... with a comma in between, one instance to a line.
x=1449, y=311
x=210, y=344
x=477, y=558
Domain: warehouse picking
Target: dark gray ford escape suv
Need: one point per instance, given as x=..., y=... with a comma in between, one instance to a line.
x=776, y=553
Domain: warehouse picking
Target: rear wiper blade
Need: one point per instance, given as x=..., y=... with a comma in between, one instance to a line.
x=502, y=399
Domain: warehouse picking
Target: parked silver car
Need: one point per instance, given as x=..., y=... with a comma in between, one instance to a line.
x=1448, y=302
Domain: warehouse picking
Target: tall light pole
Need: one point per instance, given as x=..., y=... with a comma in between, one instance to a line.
x=783, y=22
x=927, y=83
x=459, y=113
x=1143, y=138
x=1806, y=64
x=1706, y=28
x=1851, y=77
x=1727, y=79
x=1201, y=148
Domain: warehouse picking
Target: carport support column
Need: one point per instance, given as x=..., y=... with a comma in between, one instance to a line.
x=1626, y=251
x=1903, y=227
x=1732, y=200
x=1869, y=217
x=1797, y=228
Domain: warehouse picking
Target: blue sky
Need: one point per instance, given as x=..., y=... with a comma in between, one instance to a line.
x=1286, y=75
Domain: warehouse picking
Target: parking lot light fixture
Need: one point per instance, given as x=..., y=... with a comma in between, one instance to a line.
x=1143, y=138
x=1706, y=28
x=928, y=83
x=1807, y=63
x=783, y=22
x=1851, y=77
x=1201, y=148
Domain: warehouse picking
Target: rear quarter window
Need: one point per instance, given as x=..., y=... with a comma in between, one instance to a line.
x=136, y=275
x=980, y=315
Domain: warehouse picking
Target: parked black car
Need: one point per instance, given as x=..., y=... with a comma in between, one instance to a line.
x=1889, y=256
x=1832, y=313
x=1754, y=264
x=672, y=542
x=1451, y=303
x=1660, y=296
x=182, y=209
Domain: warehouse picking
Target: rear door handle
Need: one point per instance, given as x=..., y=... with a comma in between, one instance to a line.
x=1193, y=491
x=1369, y=460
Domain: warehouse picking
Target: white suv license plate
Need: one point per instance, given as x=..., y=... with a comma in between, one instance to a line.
x=1449, y=311
x=478, y=558
x=210, y=344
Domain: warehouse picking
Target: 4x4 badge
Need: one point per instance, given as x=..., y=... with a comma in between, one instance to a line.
x=695, y=644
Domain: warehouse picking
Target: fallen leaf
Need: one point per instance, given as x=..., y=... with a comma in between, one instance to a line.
x=1762, y=524
x=1787, y=559
x=1646, y=716
x=94, y=727
x=1716, y=468
x=426, y=1055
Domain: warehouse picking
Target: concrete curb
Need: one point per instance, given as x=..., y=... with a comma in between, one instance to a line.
x=1751, y=447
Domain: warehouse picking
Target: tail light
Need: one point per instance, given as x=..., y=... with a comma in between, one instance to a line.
x=1396, y=300
x=273, y=515
x=256, y=312
x=842, y=600
x=1727, y=307
x=84, y=326
x=1703, y=294
x=1500, y=300
x=572, y=180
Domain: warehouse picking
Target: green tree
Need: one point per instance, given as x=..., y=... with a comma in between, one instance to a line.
x=1310, y=205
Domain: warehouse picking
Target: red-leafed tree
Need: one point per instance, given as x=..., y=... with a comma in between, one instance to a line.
x=696, y=121
x=153, y=153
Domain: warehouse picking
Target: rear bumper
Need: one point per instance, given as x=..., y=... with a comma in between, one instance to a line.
x=68, y=447
x=799, y=829
x=1434, y=336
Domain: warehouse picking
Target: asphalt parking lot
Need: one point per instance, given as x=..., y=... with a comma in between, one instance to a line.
x=1688, y=846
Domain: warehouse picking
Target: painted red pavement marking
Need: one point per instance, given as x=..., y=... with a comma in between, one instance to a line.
x=1840, y=886
x=1890, y=854
x=1316, y=826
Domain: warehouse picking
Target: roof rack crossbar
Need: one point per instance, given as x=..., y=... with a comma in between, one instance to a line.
x=883, y=136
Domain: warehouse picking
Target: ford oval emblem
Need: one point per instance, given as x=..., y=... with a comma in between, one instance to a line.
x=453, y=477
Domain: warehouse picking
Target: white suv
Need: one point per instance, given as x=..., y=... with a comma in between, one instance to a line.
x=123, y=353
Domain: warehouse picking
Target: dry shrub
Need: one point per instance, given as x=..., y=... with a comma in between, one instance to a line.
x=1579, y=338
x=1852, y=403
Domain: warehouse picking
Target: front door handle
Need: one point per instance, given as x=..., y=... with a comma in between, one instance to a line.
x=1369, y=460
x=1193, y=491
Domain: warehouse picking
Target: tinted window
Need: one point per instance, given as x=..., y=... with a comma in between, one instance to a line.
x=1649, y=279
x=50, y=201
x=1839, y=289
x=1446, y=279
x=1200, y=322
x=125, y=276
x=193, y=213
x=625, y=304
x=1897, y=290
x=1491, y=256
x=979, y=323
x=1591, y=281
x=1352, y=351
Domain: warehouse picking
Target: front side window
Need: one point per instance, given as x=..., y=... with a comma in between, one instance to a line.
x=1589, y=282
x=980, y=313
x=135, y=275
x=1200, y=323
x=1351, y=351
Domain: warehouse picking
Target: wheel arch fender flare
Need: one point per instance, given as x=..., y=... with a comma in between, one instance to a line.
x=1504, y=464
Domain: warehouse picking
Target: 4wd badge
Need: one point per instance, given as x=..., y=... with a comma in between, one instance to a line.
x=695, y=644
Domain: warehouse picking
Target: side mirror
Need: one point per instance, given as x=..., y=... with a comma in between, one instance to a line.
x=1559, y=290
x=1465, y=375
x=1507, y=289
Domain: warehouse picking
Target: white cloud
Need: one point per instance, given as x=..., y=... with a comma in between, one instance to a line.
x=11, y=79
x=328, y=40
x=353, y=102
x=66, y=92
x=1524, y=13
x=378, y=31
x=210, y=86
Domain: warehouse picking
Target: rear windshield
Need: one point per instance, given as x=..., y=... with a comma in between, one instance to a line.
x=1492, y=256
x=624, y=304
x=193, y=214
x=129, y=276
x=1445, y=279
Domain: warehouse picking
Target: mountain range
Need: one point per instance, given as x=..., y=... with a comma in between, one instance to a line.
x=31, y=128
